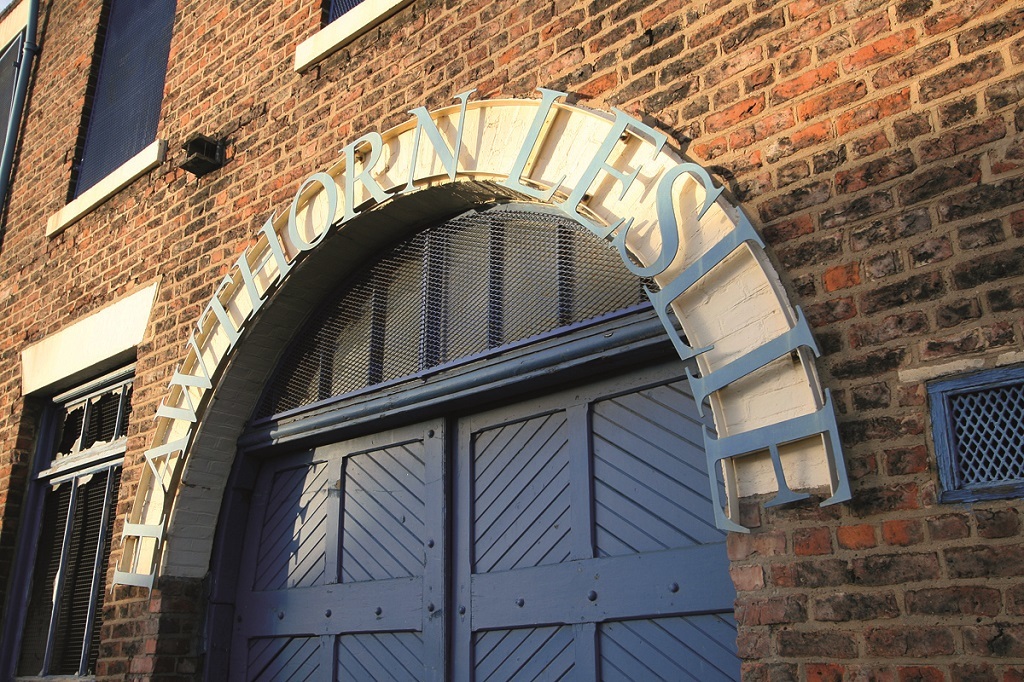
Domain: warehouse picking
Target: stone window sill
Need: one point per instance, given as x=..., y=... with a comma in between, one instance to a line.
x=344, y=30
x=149, y=158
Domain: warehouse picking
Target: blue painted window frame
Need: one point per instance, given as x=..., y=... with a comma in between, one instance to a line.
x=940, y=396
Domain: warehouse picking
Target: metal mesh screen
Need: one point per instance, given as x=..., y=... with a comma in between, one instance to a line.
x=989, y=429
x=129, y=87
x=335, y=8
x=474, y=284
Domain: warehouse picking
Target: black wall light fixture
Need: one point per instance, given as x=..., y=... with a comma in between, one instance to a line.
x=202, y=154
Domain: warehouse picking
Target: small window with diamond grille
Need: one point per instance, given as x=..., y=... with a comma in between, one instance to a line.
x=978, y=426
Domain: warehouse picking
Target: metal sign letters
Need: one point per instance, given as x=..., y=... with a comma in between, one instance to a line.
x=328, y=200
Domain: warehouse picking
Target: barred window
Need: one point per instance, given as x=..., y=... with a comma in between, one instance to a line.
x=978, y=426
x=60, y=635
x=129, y=89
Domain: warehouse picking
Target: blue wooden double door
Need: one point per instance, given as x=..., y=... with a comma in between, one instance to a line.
x=567, y=536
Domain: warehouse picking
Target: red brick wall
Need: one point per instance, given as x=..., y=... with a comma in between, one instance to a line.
x=23, y=276
x=876, y=146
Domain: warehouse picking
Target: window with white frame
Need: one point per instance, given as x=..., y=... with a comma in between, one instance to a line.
x=129, y=87
x=978, y=428
x=85, y=436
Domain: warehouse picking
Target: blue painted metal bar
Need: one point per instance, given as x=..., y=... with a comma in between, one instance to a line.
x=58, y=587
x=97, y=578
x=798, y=336
x=821, y=422
x=596, y=590
x=303, y=611
x=584, y=639
x=662, y=299
x=326, y=657
x=461, y=560
x=600, y=341
x=581, y=505
x=435, y=601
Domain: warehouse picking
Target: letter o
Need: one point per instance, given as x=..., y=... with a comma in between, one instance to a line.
x=331, y=189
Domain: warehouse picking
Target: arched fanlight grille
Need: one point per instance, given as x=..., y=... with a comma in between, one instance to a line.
x=474, y=284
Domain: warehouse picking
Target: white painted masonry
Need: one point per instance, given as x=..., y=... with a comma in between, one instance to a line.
x=108, y=335
x=343, y=30
x=149, y=158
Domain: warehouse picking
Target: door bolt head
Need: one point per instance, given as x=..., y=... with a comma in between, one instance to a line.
x=592, y=596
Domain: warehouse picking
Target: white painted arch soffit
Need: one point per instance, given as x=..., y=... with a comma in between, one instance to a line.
x=612, y=173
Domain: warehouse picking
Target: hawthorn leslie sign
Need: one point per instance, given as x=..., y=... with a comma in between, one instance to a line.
x=616, y=176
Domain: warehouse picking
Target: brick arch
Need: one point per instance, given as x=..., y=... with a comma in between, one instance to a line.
x=612, y=173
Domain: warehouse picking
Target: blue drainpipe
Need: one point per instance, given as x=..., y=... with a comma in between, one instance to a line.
x=28, y=51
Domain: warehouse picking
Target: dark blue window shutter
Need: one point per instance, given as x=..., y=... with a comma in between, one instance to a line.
x=338, y=7
x=9, y=62
x=129, y=87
